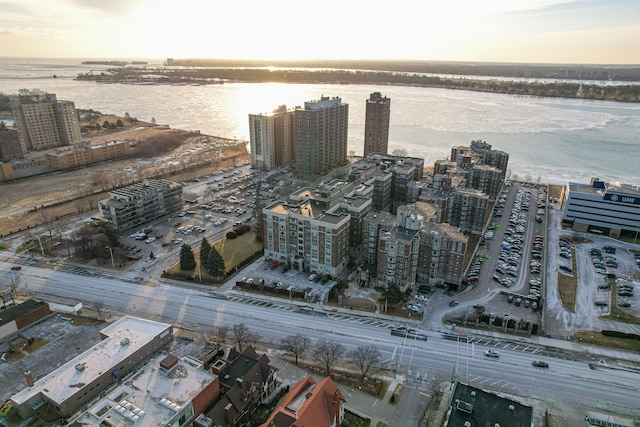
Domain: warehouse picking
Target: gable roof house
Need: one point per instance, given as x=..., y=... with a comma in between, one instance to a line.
x=310, y=404
x=245, y=383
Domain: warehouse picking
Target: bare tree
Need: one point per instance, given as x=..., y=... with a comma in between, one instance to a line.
x=48, y=219
x=367, y=359
x=99, y=305
x=14, y=283
x=328, y=353
x=296, y=345
x=400, y=152
x=217, y=338
x=242, y=336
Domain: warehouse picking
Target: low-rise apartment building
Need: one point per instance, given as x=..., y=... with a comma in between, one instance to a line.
x=133, y=206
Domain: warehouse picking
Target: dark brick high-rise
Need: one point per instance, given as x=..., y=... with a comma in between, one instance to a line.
x=376, y=126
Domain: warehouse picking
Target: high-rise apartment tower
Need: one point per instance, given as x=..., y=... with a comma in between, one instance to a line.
x=44, y=122
x=272, y=139
x=376, y=127
x=321, y=131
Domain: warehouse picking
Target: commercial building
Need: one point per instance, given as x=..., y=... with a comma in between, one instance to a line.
x=271, y=138
x=82, y=155
x=170, y=393
x=125, y=344
x=607, y=208
x=44, y=122
x=133, y=206
x=321, y=130
x=376, y=124
x=471, y=406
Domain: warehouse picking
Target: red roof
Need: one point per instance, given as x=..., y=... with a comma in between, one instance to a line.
x=309, y=404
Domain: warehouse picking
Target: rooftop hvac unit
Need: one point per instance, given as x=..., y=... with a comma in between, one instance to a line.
x=80, y=367
x=124, y=341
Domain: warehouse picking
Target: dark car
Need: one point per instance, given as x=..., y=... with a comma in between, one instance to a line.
x=16, y=268
x=453, y=303
x=540, y=364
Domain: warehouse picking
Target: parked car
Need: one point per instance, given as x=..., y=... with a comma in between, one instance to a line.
x=16, y=268
x=453, y=303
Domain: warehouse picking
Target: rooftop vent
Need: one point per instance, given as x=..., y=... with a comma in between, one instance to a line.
x=467, y=424
x=512, y=408
x=473, y=393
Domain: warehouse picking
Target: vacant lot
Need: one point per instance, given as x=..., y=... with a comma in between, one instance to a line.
x=65, y=194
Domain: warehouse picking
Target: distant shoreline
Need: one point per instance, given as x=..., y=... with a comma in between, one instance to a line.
x=114, y=63
x=198, y=74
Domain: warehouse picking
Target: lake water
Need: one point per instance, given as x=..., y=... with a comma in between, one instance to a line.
x=554, y=140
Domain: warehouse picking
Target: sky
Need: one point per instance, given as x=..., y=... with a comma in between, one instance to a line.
x=531, y=31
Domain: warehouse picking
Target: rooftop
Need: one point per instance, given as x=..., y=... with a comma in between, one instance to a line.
x=12, y=313
x=480, y=408
x=123, y=338
x=151, y=397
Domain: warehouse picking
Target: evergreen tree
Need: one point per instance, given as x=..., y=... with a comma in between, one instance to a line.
x=187, y=259
x=205, y=248
x=257, y=215
x=215, y=263
x=392, y=295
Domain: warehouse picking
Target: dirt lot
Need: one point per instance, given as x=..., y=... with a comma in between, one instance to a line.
x=70, y=193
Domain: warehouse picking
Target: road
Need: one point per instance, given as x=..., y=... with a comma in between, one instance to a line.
x=567, y=381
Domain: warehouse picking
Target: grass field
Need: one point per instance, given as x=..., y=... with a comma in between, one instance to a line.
x=568, y=286
x=593, y=337
x=233, y=251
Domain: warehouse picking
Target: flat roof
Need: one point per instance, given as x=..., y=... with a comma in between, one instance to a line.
x=151, y=397
x=65, y=381
x=481, y=408
x=18, y=310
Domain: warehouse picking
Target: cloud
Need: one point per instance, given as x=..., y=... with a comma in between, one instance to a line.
x=5, y=33
x=15, y=8
x=115, y=6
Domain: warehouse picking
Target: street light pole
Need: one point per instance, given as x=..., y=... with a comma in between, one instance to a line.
x=113, y=264
x=41, y=247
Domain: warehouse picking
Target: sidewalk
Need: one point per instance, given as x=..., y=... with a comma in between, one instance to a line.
x=358, y=402
x=557, y=343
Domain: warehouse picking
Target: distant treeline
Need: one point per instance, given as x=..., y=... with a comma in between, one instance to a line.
x=630, y=73
x=201, y=75
x=114, y=63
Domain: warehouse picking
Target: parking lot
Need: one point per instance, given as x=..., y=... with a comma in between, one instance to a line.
x=510, y=258
x=219, y=205
x=277, y=277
